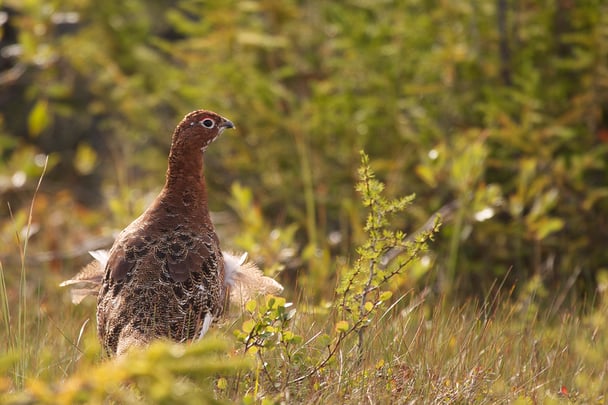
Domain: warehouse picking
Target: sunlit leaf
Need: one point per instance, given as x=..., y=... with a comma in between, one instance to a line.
x=251, y=305
x=427, y=175
x=546, y=226
x=39, y=118
x=342, y=326
x=85, y=159
x=248, y=325
x=386, y=295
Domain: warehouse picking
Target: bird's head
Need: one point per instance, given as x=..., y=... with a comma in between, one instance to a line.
x=199, y=128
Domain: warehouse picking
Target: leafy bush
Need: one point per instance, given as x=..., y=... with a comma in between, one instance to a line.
x=164, y=373
x=505, y=122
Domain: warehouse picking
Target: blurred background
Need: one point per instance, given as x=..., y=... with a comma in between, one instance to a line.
x=494, y=113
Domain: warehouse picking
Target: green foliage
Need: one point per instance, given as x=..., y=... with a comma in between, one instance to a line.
x=360, y=296
x=417, y=351
x=506, y=122
x=364, y=288
x=268, y=324
x=271, y=247
x=267, y=333
x=163, y=373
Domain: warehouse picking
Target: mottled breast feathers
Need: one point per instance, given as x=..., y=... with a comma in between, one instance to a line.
x=160, y=286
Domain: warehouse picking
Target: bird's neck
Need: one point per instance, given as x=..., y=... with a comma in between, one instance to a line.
x=185, y=189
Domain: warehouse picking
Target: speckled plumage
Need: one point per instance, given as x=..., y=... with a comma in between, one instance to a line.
x=164, y=276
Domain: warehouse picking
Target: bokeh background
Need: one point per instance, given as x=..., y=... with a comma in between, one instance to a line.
x=494, y=113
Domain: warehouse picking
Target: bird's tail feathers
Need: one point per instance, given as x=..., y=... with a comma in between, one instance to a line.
x=88, y=280
x=246, y=280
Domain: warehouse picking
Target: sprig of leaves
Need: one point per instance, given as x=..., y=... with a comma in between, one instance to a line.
x=365, y=287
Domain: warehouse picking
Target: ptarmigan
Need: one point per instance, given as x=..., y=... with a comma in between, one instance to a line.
x=165, y=276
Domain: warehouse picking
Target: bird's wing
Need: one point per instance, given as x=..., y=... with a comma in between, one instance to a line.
x=179, y=253
x=118, y=264
x=188, y=254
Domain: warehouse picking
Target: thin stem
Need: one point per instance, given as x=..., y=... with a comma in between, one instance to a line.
x=6, y=311
x=309, y=195
x=22, y=318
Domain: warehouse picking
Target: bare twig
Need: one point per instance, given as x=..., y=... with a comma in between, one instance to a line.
x=445, y=214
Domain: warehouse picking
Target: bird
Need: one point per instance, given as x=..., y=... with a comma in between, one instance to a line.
x=165, y=276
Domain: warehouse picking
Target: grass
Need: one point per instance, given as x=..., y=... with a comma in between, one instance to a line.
x=411, y=347
x=427, y=352
x=420, y=352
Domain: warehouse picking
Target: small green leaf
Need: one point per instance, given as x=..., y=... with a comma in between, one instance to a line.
x=547, y=226
x=39, y=118
x=85, y=159
x=386, y=295
x=248, y=326
x=342, y=326
x=369, y=306
x=222, y=383
x=251, y=305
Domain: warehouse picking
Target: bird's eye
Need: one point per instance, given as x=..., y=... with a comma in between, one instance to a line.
x=207, y=123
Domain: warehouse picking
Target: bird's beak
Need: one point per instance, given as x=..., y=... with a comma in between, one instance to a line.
x=227, y=124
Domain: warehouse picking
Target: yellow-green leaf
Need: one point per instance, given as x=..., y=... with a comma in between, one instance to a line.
x=248, y=326
x=547, y=226
x=342, y=326
x=523, y=400
x=427, y=175
x=251, y=305
x=274, y=302
x=222, y=383
x=85, y=159
x=386, y=295
x=39, y=118
x=261, y=40
x=267, y=401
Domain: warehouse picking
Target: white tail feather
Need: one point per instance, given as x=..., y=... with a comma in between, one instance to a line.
x=101, y=256
x=246, y=280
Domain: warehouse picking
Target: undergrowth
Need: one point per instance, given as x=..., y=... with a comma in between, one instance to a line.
x=374, y=343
